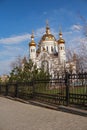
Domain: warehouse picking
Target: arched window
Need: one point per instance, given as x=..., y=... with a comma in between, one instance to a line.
x=47, y=48
x=45, y=65
x=61, y=48
x=51, y=49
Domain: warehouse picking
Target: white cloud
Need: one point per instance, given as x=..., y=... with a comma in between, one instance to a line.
x=15, y=39
x=76, y=27
x=11, y=50
x=21, y=38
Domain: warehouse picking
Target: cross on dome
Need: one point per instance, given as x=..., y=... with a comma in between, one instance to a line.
x=32, y=43
x=47, y=28
x=47, y=25
x=32, y=36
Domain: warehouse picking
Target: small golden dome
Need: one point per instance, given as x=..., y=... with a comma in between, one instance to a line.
x=32, y=43
x=60, y=41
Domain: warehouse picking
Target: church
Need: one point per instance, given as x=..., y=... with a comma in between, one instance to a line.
x=50, y=54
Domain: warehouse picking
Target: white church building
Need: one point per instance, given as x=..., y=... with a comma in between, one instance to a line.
x=50, y=53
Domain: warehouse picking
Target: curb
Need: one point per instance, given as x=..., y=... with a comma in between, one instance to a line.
x=73, y=110
x=68, y=109
x=57, y=108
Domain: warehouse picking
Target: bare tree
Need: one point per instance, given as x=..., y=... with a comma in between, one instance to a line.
x=83, y=45
x=84, y=24
x=82, y=56
x=69, y=54
x=79, y=57
x=17, y=62
x=81, y=50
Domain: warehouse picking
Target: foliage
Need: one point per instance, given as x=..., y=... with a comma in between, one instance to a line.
x=28, y=72
x=0, y=80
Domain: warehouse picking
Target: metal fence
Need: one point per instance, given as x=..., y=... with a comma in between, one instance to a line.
x=78, y=89
x=69, y=89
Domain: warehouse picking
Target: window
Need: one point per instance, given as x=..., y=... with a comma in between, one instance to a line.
x=32, y=50
x=60, y=48
x=51, y=49
x=45, y=65
x=47, y=48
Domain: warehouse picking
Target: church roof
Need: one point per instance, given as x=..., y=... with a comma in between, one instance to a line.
x=48, y=36
x=61, y=40
x=32, y=43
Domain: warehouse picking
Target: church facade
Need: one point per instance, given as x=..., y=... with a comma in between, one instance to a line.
x=50, y=53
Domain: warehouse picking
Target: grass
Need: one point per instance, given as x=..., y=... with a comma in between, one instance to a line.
x=47, y=89
x=78, y=90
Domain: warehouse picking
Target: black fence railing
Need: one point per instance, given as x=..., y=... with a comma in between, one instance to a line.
x=78, y=89
x=66, y=90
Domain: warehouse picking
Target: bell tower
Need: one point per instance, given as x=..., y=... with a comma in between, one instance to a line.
x=61, y=50
x=32, y=47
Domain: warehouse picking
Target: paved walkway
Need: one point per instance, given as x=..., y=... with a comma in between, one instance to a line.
x=15, y=115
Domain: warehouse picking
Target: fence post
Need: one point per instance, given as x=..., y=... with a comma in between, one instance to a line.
x=6, y=90
x=16, y=90
x=67, y=87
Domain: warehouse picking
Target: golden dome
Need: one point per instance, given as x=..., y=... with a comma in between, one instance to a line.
x=60, y=41
x=47, y=37
x=32, y=43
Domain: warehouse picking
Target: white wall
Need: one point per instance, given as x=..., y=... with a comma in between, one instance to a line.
x=32, y=52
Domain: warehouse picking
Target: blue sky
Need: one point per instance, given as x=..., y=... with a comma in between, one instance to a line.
x=19, y=17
